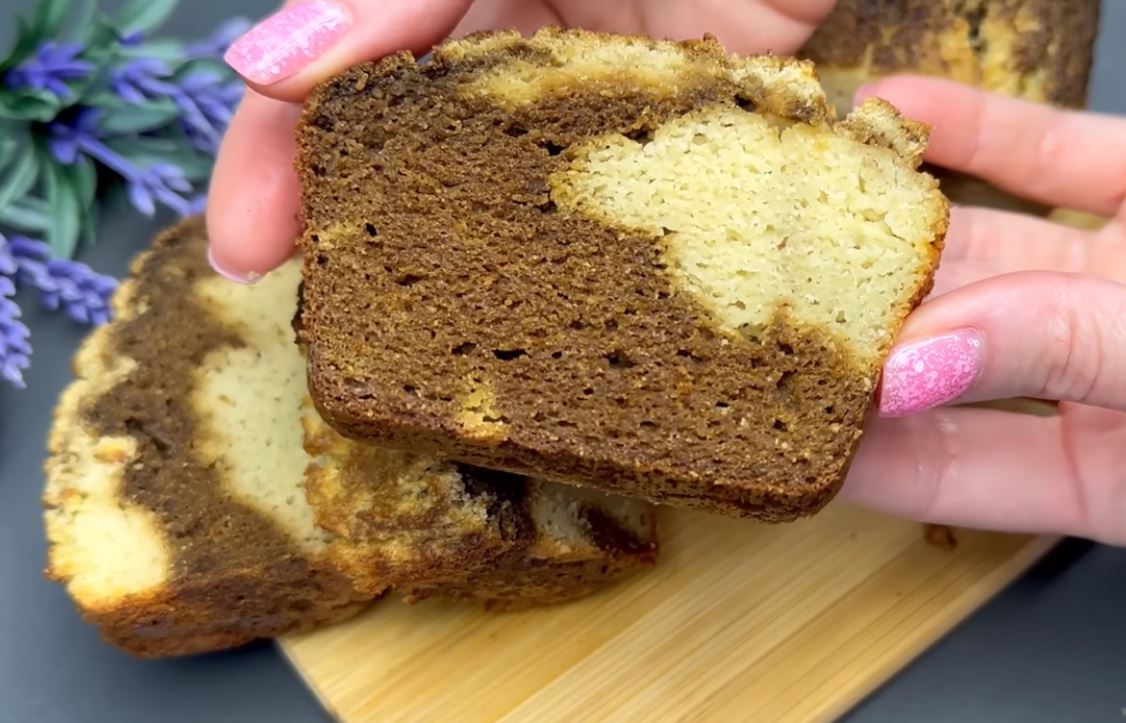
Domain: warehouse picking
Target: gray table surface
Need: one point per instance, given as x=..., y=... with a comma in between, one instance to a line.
x=1050, y=648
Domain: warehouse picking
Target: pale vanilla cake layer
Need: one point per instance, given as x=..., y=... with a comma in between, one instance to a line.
x=196, y=501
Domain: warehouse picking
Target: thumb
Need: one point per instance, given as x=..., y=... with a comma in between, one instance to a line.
x=1043, y=335
x=285, y=55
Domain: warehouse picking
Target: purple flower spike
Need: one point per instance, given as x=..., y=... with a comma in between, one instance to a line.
x=69, y=285
x=52, y=65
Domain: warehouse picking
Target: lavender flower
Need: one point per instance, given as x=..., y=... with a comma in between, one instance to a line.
x=83, y=293
x=52, y=65
x=206, y=100
x=161, y=182
x=15, y=349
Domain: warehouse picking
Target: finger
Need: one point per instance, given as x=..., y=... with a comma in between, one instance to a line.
x=1035, y=334
x=285, y=55
x=252, y=202
x=1009, y=242
x=990, y=469
x=1057, y=157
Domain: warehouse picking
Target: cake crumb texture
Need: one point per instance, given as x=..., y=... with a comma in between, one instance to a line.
x=642, y=266
x=195, y=500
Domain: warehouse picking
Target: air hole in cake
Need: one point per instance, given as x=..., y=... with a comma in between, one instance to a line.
x=410, y=389
x=553, y=149
x=322, y=260
x=547, y=207
x=745, y=103
x=641, y=136
x=830, y=409
x=785, y=348
x=783, y=382
x=370, y=229
x=648, y=425
x=318, y=170
x=408, y=279
x=577, y=325
x=556, y=355
x=464, y=348
x=722, y=405
x=588, y=391
x=324, y=123
x=509, y=354
x=781, y=426
x=619, y=360
x=516, y=130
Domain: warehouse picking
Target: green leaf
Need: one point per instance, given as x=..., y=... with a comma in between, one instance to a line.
x=83, y=12
x=8, y=148
x=173, y=149
x=26, y=41
x=214, y=66
x=50, y=15
x=28, y=215
x=28, y=104
x=84, y=178
x=98, y=35
x=140, y=117
x=20, y=177
x=169, y=50
x=65, y=220
x=144, y=15
x=90, y=226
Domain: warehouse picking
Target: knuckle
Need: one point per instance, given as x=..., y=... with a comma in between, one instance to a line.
x=1074, y=348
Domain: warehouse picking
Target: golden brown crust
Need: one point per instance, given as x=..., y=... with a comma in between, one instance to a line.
x=523, y=337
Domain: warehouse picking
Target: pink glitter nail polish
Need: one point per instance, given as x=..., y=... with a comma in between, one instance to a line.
x=287, y=41
x=932, y=372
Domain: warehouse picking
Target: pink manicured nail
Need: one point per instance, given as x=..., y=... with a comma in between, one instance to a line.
x=287, y=41
x=931, y=372
x=243, y=278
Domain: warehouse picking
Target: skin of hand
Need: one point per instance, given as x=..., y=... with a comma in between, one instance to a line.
x=252, y=207
x=1023, y=307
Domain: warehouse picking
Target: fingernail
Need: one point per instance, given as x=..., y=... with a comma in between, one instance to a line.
x=931, y=372
x=287, y=41
x=248, y=277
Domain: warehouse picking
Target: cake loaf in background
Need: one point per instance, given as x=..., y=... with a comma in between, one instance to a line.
x=195, y=500
x=1037, y=50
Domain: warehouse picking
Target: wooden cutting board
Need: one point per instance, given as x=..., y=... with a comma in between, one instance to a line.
x=737, y=622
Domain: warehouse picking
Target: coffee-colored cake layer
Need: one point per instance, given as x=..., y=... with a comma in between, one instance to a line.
x=1038, y=50
x=196, y=501
x=644, y=266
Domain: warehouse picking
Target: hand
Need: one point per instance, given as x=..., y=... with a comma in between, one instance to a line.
x=252, y=207
x=1023, y=308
